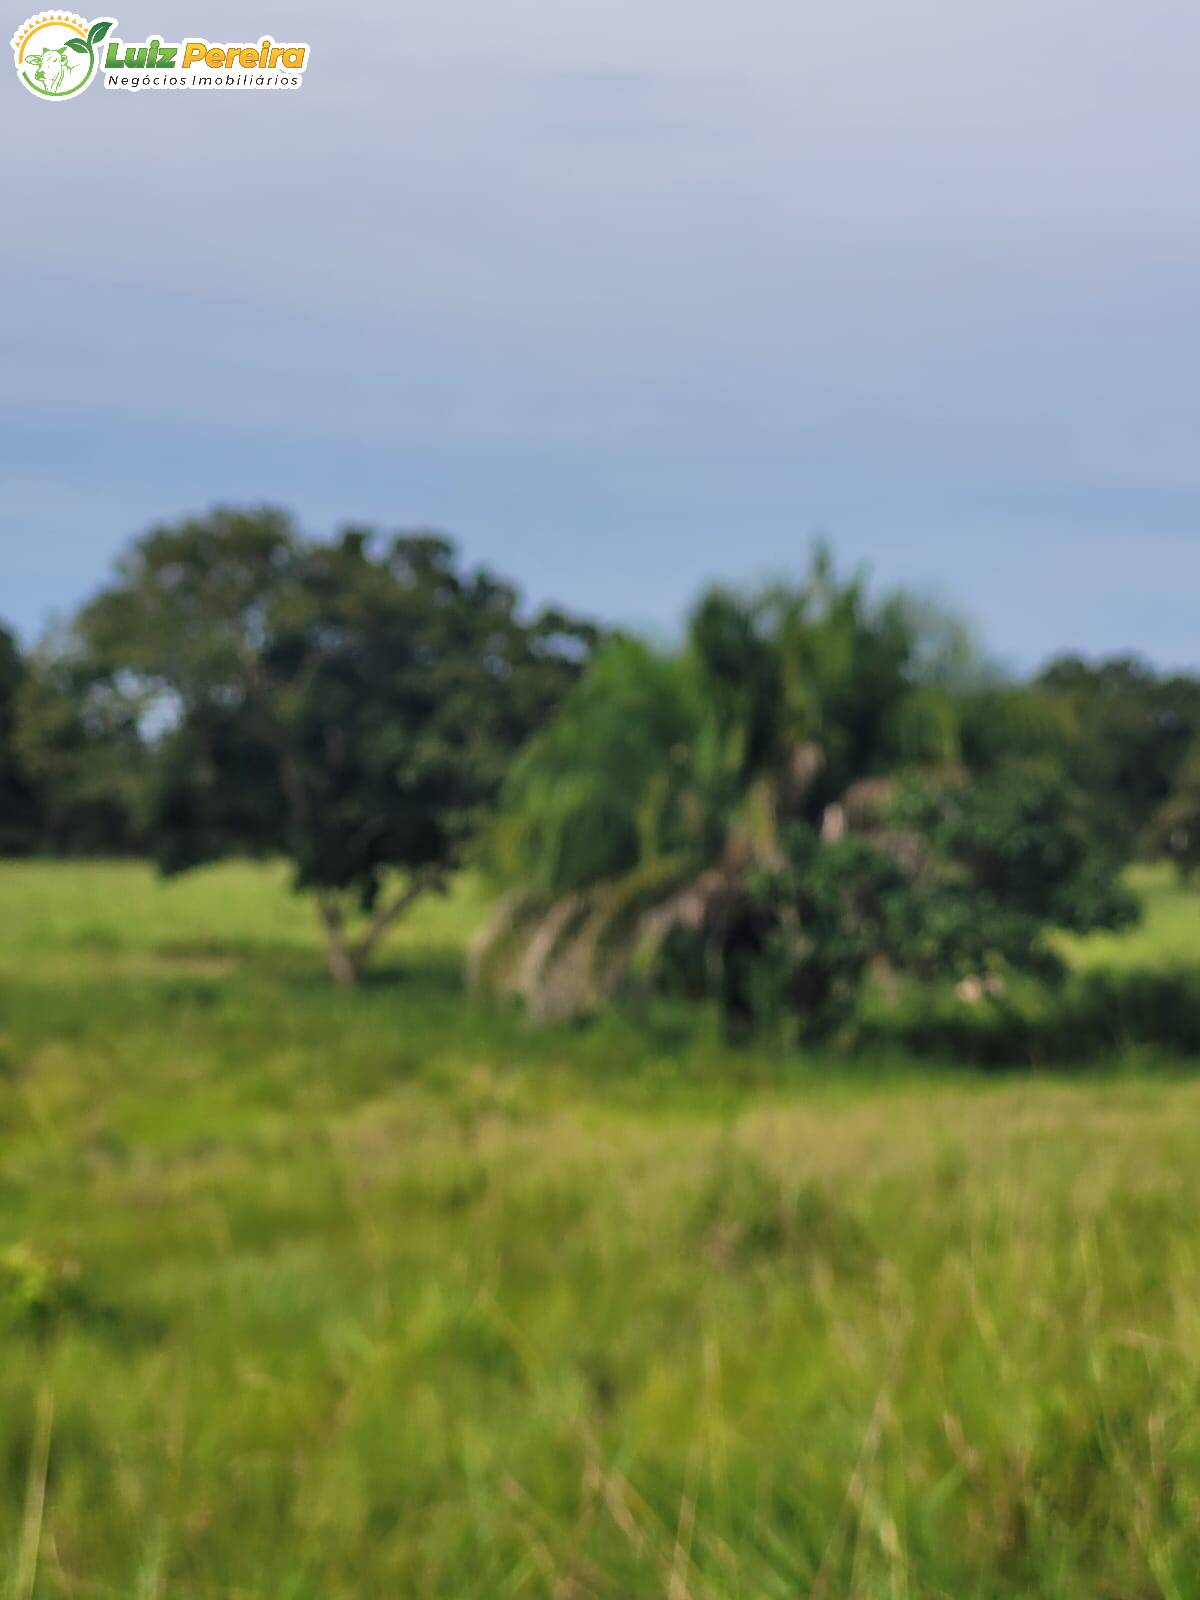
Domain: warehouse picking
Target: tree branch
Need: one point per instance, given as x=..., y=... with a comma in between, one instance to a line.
x=423, y=882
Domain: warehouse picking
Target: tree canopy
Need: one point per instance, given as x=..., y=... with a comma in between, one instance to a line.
x=1131, y=729
x=1174, y=829
x=352, y=706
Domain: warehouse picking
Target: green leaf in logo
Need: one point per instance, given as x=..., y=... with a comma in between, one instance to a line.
x=97, y=31
x=77, y=44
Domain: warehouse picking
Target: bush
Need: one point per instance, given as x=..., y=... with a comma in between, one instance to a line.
x=1093, y=1017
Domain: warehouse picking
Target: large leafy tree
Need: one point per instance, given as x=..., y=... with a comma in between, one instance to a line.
x=739, y=814
x=352, y=706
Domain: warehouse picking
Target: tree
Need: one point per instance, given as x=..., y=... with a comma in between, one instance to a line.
x=728, y=817
x=950, y=877
x=1174, y=830
x=352, y=706
x=668, y=775
x=18, y=805
x=1130, y=731
x=81, y=747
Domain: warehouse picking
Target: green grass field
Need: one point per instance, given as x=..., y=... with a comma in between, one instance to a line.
x=307, y=1294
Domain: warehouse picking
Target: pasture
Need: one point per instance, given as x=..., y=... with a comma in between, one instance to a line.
x=312, y=1295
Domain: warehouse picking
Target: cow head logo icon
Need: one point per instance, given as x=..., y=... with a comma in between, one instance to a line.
x=56, y=53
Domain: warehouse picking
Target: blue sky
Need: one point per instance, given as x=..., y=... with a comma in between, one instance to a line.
x=631, y=296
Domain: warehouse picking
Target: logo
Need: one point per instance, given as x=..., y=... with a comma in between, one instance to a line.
x=57, y=53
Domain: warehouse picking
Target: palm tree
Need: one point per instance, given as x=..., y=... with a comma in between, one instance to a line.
x=669, y=778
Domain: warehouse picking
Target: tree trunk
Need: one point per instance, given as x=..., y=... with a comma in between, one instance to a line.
x=347, y=958
x=342, y=966
x=339, y=957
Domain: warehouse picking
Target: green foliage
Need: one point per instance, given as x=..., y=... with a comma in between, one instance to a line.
x=352, y=706
x=1099, y=1015
x=962, y=879
x=18, y=808
x=607, y=782
x=1174, y=829
x=71, y=759
x=795, y=950
x=78, y=736
x=759, y=766
x=774, y=704
x=1022, y=839
x=1134, y=729
x=1014, y=722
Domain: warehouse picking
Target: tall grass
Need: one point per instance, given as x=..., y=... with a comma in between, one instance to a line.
x=306, y=1294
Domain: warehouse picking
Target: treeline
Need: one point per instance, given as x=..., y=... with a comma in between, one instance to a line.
x=816, y=790
x=822, y=798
